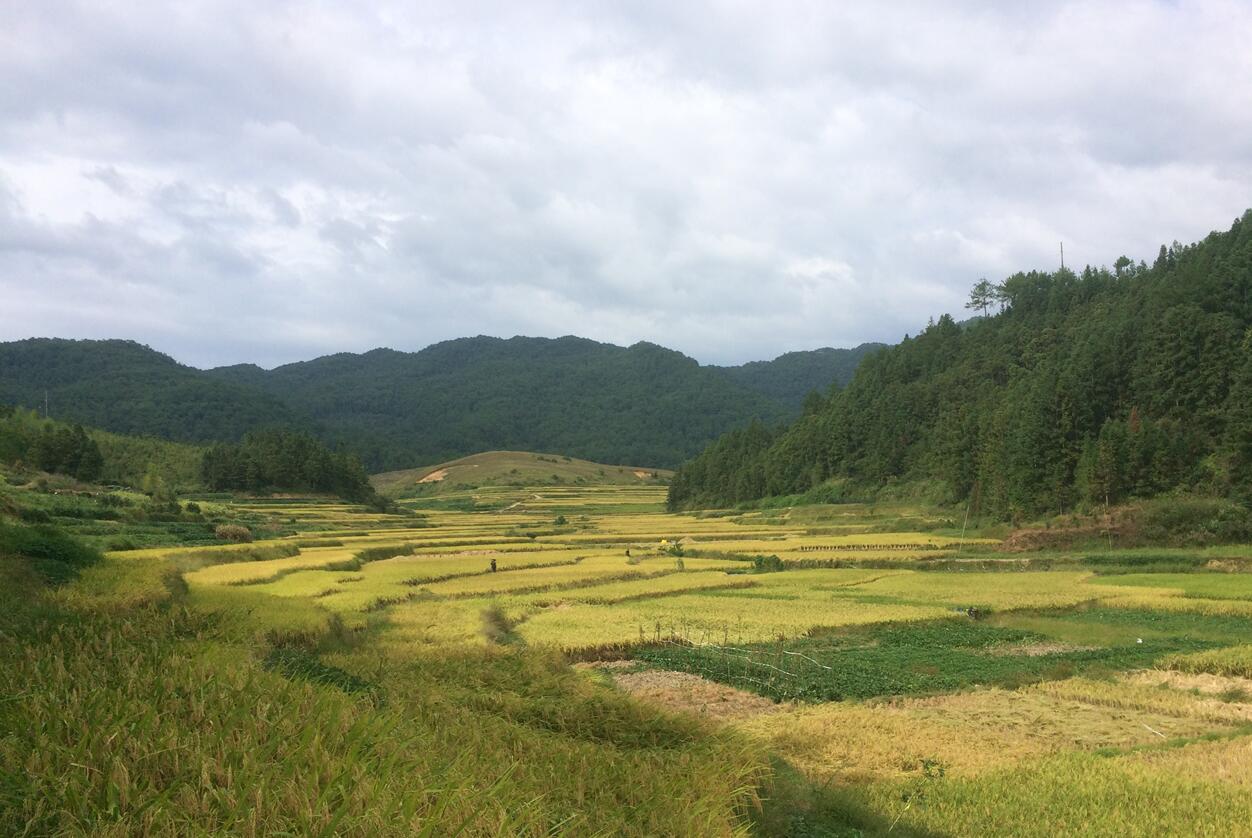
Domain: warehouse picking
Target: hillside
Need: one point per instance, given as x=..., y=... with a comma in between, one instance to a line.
x=641, y=404
x=1083, y=389
x=505, y=468
x=127, y=388
x=29, y=442
x=790, y=377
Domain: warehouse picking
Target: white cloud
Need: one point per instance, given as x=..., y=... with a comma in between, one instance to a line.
x=231, y=181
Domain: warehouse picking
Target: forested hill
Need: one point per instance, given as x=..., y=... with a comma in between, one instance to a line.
x=791, y=377
x=643, y=404
x=127, y=388
x=1088, y=388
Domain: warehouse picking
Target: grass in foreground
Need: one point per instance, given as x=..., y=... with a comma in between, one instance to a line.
x=194, y=723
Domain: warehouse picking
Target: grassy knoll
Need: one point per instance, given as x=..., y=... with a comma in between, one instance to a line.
x=513, y=468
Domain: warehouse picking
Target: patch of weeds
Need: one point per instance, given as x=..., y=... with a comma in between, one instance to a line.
x=1235, y=695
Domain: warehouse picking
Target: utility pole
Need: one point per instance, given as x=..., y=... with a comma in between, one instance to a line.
x=1062, y=255
x=45, y=402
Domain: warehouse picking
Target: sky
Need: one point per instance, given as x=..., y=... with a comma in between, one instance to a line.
x=271, y=182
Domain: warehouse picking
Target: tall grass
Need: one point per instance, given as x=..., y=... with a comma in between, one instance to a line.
x=142, y=710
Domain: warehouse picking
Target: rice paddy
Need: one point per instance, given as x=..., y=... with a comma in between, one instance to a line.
x=917, y=681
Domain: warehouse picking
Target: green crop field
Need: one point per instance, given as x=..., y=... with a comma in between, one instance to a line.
x=572, y=660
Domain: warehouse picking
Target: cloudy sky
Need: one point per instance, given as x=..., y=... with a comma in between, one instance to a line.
x=231, y=181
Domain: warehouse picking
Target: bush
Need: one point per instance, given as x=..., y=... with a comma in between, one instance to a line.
x=766, y=564
x=1197, y=521
x=233, y=532
x=53, y=554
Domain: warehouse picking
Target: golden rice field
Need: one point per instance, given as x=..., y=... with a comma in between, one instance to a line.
x=974, y=696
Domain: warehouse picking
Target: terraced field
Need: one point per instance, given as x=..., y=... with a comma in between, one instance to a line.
x=911, y=680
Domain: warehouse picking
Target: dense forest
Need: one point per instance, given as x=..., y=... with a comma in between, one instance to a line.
x=283, y=460
x=1073, y=390
x=792, y=377
x=127, y=388
x=643, y=405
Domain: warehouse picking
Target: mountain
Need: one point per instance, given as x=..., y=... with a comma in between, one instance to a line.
x=641, y=404
x=127, y=388
x=1086, y=388
x=790, y=377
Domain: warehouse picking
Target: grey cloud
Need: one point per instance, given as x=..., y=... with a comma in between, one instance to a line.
x=231, y=181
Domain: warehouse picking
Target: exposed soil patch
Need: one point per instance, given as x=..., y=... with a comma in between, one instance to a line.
x=687, y=693
x=435, y=476
x=642, y=475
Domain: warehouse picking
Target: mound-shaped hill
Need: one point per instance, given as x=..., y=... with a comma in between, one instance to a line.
x=521, y=468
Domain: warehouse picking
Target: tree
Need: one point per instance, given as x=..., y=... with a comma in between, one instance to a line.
x=981, y=296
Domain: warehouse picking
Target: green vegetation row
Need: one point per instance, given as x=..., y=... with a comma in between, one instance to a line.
x=1082, y=389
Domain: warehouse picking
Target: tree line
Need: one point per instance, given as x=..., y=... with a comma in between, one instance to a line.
x=1073, y=389
x=50, y=446
x=285, y=460
x=30, y=441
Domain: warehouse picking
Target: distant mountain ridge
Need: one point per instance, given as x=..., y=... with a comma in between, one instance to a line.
x=793, y=375
x=125, y=387
x=639, y=404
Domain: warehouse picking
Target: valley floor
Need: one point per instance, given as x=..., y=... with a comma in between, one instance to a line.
x=816, y=671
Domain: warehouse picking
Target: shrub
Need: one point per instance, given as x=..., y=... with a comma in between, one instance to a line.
x=1194, y=521
x=766, y=564
x=233, y=532
x=53, y=554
